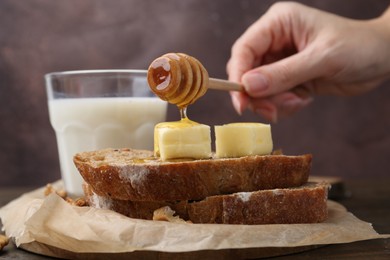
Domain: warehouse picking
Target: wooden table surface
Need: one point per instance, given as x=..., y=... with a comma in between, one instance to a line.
x=369, y=200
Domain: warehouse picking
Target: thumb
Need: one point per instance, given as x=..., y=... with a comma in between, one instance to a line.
x=282, y=75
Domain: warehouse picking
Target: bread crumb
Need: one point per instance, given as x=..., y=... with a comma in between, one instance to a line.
x=79, y=202
x=167, y=214
x=3, y=241
x=50, y=189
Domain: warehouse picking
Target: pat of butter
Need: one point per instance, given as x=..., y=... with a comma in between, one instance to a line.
x=242, y=139
x=181, y=140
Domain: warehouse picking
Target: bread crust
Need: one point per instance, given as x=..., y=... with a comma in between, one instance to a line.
x=128, y=174
x=304, y=204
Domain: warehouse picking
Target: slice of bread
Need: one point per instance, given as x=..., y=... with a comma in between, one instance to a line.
x=127, y=174
x=304, y=204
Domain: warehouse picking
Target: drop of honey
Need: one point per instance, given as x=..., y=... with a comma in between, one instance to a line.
x=183, y=112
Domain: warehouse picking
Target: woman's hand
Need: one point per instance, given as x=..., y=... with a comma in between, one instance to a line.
x=295, y=52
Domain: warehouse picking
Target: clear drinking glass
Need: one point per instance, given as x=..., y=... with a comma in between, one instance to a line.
x=99, y=109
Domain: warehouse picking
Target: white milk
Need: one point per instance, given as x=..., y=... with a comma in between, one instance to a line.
x=85, y=124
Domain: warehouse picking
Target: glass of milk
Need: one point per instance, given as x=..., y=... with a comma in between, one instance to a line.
x=98, y=109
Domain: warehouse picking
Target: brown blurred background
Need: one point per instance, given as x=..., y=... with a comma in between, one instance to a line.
x=349, y=137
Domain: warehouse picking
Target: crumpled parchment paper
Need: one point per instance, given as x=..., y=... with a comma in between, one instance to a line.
x=52, y=221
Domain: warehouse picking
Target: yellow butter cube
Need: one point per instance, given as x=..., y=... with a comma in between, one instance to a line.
x=242, y=139
x=184, y=139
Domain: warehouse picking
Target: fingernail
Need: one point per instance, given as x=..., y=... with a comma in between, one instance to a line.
x=269, y=114
x=297, y=103
x=292, y=103
x=255, y=83
x=237, y=105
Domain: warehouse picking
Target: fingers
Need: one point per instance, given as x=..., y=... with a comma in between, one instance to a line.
x=240, y=101
x=265, y=44
x=274, y=107
x=271, y=89
x=265, y=108
x=272, y=33
x=241, y=61
x=248, y=50
x=279, y=106
x=282, y=75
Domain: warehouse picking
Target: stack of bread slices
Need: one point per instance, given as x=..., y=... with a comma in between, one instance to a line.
x=241, y=189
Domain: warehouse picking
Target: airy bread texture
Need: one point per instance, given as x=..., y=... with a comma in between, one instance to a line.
x=304, y=204
x=136, y=175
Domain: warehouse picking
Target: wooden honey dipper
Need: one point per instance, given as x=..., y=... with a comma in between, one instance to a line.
x=181, y=79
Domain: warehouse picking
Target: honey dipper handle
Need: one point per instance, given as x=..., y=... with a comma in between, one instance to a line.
x=221, y=84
